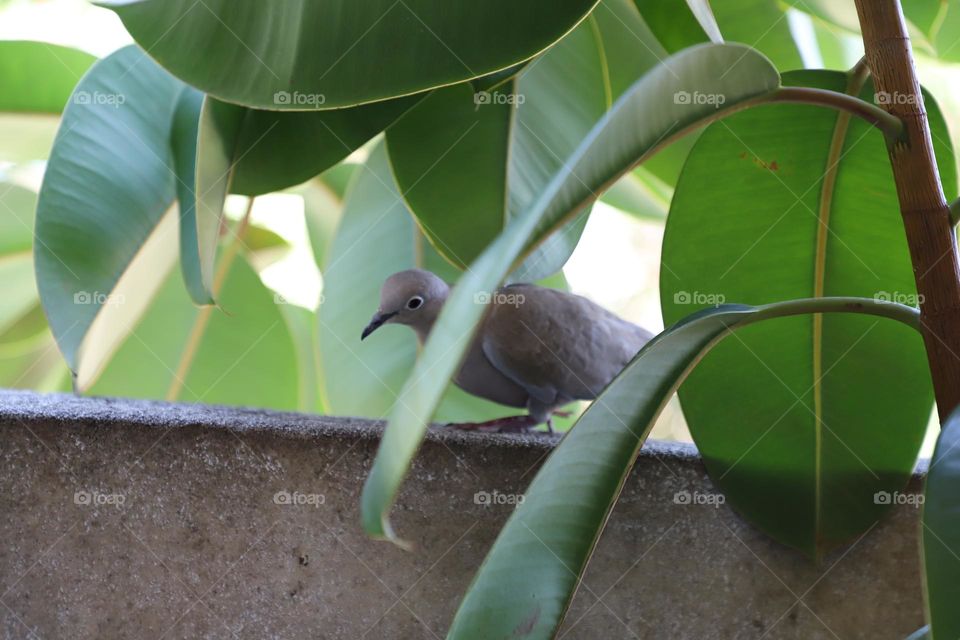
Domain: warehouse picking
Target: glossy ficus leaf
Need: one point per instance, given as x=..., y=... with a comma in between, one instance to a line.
x=533, y=569
x=330, y=54
x=647, y=116
x=800, y=395
x=251, y=151
x=940, y=533
x=178, y=351
x=502, y=146
x=28, y=353
x=104, y=240
x=36, y=80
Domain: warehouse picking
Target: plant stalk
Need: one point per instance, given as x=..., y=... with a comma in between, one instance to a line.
x=926, y=215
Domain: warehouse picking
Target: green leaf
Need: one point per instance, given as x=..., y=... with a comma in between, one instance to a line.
x=762, y=24
x=249, y=151
x=376, y=238
x=504, y=145
x=323, y=206
x=36, y=80
x=641, y=194
x=530, y=574
x=338, y=53
x=646, y=117
x=941, y=532
x=106, y=230
x=181, y=352
x=28, y=353
x=800, y=395
x=704, y=14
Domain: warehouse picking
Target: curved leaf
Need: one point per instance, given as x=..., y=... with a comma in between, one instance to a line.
x=105, y=229
x=250, y=151
x=646, y=117
x=801, y=394
x=941, y=532
x=36, y=80
x=503, y=146
x=337, y=53
x=530, y=574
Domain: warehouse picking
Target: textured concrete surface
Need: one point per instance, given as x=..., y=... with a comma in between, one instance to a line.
x=129, y=519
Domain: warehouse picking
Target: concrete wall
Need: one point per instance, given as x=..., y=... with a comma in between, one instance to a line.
x=128, y=519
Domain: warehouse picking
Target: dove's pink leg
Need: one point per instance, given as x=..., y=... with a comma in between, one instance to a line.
x=509, y=424
x=514, y=424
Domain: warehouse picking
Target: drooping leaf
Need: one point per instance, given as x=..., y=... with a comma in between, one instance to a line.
x=530, y=574
x=251, y=151
x=941, y=533
x=486, y=155
x=646, y=117
x=106, y=230
x=800, y=395
x=36, y=80
x=337, y=53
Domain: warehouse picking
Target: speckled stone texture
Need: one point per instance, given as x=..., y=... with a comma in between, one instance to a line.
x=131, y=519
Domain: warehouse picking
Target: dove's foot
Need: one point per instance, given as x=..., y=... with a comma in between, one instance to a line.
x=510, y=424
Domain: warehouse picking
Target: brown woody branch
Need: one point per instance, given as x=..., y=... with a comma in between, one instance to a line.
x=926, y=215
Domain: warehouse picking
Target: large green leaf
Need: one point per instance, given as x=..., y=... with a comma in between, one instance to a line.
x=933, y=25
x=28, y=353
x=646, y=117
x=941, y=533
x=180, y=352
x=762, y=24
x=106, y=228
x=250, y=151
x=337, y=53
x=36, y=80
x=503, y=146
x=376, y=238
x=800, y=395
x=530, y=575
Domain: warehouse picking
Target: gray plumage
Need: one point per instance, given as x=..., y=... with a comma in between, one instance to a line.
x=536, y=347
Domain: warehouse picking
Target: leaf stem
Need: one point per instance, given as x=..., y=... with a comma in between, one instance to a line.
x=889, y=124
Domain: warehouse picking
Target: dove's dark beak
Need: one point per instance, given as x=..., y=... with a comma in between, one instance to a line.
x=375, y=323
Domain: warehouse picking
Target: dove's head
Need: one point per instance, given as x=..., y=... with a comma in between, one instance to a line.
x=413, y=297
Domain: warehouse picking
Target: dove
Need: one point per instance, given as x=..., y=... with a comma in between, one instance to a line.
x=536, y=348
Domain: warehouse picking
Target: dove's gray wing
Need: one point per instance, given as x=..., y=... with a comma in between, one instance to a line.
x=558, y=346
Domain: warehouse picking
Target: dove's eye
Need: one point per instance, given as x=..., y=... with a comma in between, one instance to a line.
x=414, y=302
